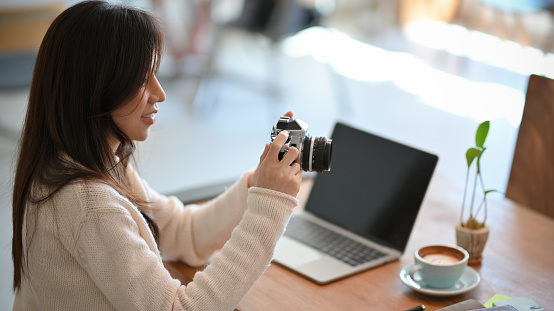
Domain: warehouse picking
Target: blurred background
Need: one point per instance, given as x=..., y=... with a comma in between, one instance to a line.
x=421, y=72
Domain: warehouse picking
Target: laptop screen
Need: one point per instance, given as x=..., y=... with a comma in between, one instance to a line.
x=375, y=187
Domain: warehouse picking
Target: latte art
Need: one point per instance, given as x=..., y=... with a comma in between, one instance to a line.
x=441, y=259
x=440, y=266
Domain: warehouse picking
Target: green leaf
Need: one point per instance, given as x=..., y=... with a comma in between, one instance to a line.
x=471, y=154
x=482, y=132
x=481, y=151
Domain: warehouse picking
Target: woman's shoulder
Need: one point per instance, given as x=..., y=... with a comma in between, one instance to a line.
x=92, y=196
x=76, y=203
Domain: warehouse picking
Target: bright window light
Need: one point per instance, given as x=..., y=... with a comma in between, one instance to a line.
x=480, y=47
x=478, y=100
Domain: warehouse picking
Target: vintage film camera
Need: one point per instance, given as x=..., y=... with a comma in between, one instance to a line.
x=314, y=151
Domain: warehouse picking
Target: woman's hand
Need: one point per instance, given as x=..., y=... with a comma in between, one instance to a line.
x=284, y=175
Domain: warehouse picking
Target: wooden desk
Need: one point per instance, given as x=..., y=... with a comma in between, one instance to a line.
x=518, y=261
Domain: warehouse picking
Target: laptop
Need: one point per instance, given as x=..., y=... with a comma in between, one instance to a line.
x=366, y=206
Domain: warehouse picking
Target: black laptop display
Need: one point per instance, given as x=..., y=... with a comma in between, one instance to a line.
x=360, y=214
x=375, y=186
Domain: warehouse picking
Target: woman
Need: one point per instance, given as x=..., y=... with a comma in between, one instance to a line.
x=88, y=231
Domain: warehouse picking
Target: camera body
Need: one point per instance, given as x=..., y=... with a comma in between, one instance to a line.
x=314, y=152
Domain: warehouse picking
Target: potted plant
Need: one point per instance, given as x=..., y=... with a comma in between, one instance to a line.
x=472, y=232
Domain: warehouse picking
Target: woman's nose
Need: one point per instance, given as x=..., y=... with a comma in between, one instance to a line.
x=157, y=90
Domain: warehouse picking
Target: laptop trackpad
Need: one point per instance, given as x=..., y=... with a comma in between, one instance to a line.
x=294, y=253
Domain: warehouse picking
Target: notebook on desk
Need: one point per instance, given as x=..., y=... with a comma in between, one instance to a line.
x=366, y=205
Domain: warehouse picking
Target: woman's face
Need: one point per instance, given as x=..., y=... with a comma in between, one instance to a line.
x=136, y=116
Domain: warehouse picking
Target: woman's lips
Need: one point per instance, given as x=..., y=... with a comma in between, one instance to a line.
x=149, y=118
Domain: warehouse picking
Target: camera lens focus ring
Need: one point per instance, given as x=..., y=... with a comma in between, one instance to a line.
x=316, y=154
x=306, y=147
x=320, y=161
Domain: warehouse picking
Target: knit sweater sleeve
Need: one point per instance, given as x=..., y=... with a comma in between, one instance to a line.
x=192, y=233
x=132, y=277
x=245, y=257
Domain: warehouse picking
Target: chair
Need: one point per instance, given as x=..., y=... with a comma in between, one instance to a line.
x=531, y=181
x=268, y=19
x=273, y=21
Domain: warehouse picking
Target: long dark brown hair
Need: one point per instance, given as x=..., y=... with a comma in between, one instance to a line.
x=94, y=58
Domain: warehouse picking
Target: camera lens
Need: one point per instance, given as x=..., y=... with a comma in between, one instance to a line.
x=316, y=154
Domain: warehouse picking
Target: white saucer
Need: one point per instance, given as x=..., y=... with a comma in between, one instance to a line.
x=469, y=280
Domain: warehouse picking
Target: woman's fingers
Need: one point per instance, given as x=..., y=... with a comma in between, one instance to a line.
x=283, y=175
x=290, y=156
x=277, y=144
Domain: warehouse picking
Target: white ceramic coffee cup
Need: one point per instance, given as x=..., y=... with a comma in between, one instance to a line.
x=440, y=266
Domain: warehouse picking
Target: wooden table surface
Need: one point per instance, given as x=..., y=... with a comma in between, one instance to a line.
x=518, y=261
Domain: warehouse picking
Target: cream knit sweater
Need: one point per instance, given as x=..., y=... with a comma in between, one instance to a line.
x=92, y=249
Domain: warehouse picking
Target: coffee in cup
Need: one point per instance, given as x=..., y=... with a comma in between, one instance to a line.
x=440, y=266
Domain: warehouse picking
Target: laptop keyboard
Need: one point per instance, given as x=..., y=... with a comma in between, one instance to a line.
x=338, y=246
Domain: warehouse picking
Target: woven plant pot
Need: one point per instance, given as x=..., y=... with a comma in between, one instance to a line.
x=473, y=241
